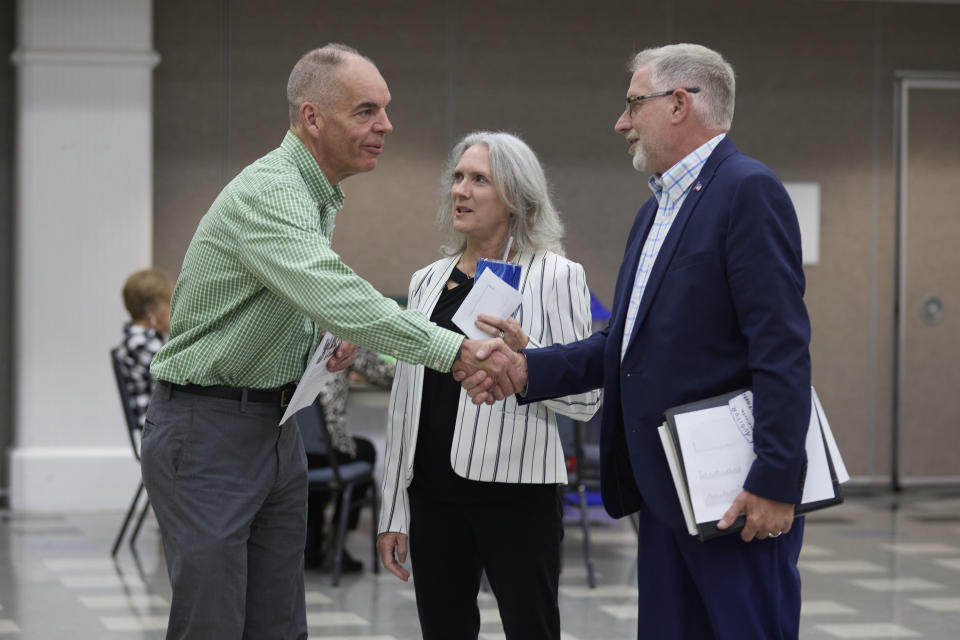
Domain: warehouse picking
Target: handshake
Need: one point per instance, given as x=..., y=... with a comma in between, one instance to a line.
x=492, y=369
x=489, y=370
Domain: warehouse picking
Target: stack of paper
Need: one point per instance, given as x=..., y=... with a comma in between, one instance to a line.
x=709, y=447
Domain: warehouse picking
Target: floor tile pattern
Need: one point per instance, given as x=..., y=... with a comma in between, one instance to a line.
x=871, y=570
x=879, y=566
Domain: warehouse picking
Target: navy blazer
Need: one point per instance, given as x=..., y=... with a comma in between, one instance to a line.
x=723, y=309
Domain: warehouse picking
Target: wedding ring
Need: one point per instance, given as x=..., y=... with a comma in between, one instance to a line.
x=775, y=535
x=501, y=335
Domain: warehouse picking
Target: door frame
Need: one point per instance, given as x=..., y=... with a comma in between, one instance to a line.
x=904, y=82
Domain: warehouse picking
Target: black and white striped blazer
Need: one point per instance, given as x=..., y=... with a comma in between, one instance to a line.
x=502, y=442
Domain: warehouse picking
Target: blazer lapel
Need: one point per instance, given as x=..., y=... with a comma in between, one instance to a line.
x=662, y=264
x=436, y=280
x=631, y=259
x=434, y=285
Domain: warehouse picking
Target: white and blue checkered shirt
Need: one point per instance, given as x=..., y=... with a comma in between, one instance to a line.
x=670, y=190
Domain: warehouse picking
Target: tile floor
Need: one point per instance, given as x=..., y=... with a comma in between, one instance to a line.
x=876, y=567
x=880, y=566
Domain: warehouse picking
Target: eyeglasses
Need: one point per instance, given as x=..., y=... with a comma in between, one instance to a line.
x=634, y=101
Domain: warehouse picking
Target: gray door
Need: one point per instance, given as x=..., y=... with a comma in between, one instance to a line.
x=929, y=301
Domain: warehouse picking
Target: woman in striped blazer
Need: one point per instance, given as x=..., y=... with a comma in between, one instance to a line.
x=474, y=488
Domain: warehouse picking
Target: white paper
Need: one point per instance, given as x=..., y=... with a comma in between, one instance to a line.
x=678, y=480
x=717, y=448
x=839, y=468
x=818, y=484
x=314, y=377
x=741, y=410
x=490, y=294
x=716, y=456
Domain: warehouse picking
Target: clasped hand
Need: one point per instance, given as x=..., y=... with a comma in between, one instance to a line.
x=489, y=370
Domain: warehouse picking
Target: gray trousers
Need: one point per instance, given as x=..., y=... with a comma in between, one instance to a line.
x=229, y=488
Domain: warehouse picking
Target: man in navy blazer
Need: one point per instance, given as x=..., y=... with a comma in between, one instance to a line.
x=709, y=299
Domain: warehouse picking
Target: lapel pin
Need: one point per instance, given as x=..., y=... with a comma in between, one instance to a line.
x=697, y=187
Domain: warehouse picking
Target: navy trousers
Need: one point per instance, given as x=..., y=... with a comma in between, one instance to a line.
x=722, y=589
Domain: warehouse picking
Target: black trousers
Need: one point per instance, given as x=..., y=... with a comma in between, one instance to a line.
x=517, y=542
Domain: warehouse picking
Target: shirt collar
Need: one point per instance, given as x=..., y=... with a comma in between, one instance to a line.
x=680, y=176
x=320, y=188
x=137, y=329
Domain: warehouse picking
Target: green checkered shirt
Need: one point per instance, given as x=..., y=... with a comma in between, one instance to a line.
x=260, y=282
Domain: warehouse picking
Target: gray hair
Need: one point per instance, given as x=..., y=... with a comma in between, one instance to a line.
x=518, y=179
x=693, y=65
x=315, y=78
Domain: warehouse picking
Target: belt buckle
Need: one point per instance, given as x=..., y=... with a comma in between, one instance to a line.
x=285, y=397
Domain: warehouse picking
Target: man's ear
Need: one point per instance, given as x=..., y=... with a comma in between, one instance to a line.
x=682, y=105
x=311, y=119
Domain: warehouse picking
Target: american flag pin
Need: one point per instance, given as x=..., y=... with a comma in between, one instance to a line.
x=697, y=187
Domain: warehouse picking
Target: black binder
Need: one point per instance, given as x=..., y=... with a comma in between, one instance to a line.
x=670, y=439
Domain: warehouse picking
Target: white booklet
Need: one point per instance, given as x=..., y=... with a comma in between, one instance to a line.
x=314, y=377
x=490, y=294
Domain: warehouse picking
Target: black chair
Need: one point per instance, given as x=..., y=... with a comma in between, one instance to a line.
x=338, y=480
x=134, y=431
x=583, y=472
x=583, y=475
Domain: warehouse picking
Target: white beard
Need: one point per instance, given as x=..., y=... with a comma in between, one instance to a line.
x=639, y=159
x=645, y=154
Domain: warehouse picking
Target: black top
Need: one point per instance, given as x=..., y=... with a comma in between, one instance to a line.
x=432, y=472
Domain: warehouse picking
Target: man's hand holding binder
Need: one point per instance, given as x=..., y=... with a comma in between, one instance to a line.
x=765, y=518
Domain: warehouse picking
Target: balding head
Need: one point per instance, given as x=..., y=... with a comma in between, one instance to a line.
x=316, y=78
x=338, y=109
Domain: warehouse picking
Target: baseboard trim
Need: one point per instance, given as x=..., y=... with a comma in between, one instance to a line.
x=72, y=478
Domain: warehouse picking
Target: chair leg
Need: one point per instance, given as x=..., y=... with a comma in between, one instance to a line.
x=585, y=526
x=136, y=529
x=341, y=533
x=375, y=504
x=126, y=520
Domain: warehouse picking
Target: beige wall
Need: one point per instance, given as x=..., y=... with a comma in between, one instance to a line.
x=815, y=103
x=6, y=230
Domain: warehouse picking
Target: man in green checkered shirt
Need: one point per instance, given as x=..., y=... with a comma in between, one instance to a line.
x=258, y=287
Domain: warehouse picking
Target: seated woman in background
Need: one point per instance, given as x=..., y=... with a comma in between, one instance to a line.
x=146, y=295
x=475, y=488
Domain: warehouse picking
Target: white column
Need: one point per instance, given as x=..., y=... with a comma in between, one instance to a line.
x=83, y=222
